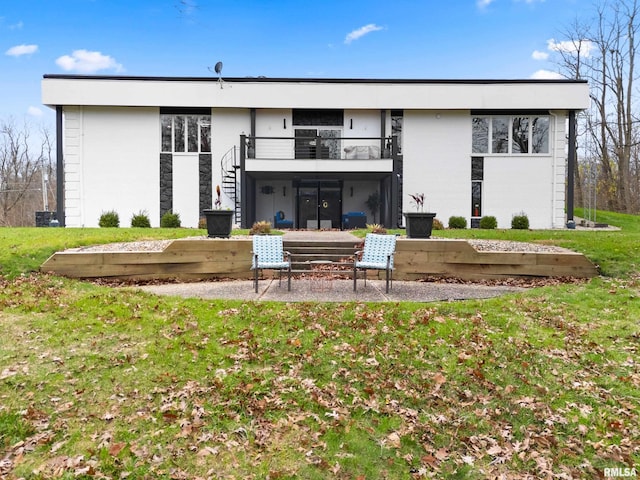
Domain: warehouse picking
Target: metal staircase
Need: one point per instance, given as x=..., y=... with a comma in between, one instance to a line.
x=230, y=169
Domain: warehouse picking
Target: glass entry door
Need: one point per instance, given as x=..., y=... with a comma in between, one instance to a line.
x=319, y=205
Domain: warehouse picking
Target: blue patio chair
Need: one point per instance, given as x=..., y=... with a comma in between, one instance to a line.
x=280, y=222
x=377, y=255
x=268, y=253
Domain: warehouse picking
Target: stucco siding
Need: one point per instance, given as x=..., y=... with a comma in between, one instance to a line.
x=518, y=184
x=186, y=188
x=437, y=161
x=120, y=165
x=226, y=126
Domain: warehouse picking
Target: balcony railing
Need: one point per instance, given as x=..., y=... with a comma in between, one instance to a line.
x=319, y=148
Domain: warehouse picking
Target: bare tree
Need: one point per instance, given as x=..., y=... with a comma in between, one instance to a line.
x=25, y=173
x=603, y=51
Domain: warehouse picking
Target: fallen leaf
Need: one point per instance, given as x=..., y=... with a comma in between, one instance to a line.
x=442, y=454
x=393, y=440
x=495, y=450
x=116, y=448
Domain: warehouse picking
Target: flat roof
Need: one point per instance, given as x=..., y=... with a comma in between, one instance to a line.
x=472, y=81
x=286, y=93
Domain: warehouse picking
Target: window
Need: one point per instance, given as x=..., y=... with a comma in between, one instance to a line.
x=500, y=135
x=186, y=133
x=477, y=176
x=503, y=134
x=480, y=134
x=397, y=119
x=540, y=135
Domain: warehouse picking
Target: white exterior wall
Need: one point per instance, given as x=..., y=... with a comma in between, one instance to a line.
x=226, y=126
x=558, y=144
x=529, y=184
x=518, y=184
x=437, y=161
x=186, y=188
x=111, y=154
x=111, y=163
x=366, y=123
x=72, y=145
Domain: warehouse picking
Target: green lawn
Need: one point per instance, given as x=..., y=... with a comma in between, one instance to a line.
x=98, y=382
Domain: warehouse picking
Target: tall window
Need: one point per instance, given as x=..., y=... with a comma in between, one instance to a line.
x=504, y=134
x=397, y=120
x=477, y=176
x=186, y=133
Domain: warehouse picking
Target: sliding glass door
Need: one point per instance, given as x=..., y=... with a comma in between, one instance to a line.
x=319, y=204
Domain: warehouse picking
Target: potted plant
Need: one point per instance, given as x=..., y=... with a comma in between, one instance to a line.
x=373, y=202
x=219, y=221
x=419, y=223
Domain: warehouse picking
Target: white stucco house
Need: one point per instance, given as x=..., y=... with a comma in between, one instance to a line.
x=308, y=153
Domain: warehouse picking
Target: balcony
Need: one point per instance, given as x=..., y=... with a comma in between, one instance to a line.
x=318, y=154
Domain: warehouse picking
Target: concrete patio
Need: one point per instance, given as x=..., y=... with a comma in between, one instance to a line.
x=325, y=289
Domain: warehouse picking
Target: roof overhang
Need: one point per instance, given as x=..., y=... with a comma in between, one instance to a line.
x=82, y=90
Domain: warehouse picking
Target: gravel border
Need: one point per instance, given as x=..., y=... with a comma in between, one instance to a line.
x=479, y=244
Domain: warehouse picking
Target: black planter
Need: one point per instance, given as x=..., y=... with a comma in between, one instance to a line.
x=219, y=223
x=419, y=224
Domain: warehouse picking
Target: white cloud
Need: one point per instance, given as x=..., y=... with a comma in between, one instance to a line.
x=484, y=3
x=547, y=75
x=538, y=55
x=571, y=46
x=362, y=31
x=19, y=50
x=16, y=26
x=84, y=61
x=34, y=111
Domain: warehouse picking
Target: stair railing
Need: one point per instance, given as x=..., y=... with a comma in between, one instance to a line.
x=229, y=166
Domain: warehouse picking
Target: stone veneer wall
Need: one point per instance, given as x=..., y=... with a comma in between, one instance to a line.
x=206, y=182
x=166, y=183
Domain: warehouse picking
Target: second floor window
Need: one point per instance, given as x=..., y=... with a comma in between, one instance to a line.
x=511, y=135
x=186, y=133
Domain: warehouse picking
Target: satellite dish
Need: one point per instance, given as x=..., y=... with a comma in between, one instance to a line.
x=218, y=69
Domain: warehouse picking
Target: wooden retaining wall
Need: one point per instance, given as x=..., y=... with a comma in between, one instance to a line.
x=231, y=258
x=457, y=258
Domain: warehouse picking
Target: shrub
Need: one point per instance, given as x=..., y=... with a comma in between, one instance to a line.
x=457, y=222
x=375, y=228
x=140, y=220
x=109, y=219
x=262, y=227
x=170, y=220
x=489, y=222
x=520, y=222
x=437, y=225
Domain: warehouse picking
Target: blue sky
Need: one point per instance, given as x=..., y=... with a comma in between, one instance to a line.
x=274, y=38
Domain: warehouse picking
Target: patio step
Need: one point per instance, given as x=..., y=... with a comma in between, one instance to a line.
x=308, y=253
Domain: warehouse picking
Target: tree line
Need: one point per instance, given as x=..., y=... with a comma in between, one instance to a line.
x=27, y=173
x=603, y=49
